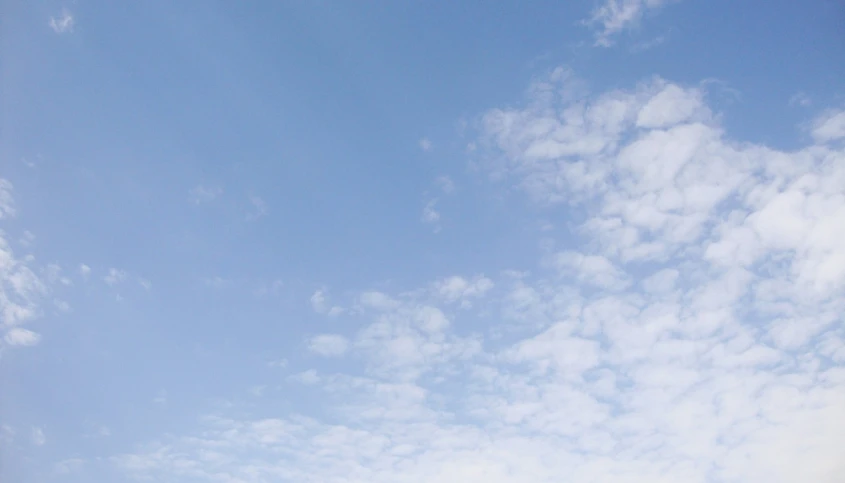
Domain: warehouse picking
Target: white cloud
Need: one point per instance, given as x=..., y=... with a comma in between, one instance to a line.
x=22, y=291
x=320, y=303
x=37, y=437
x=63, y=23
x=425, y=144
x=204, y=194
x=445, y=184
x=84, y=270
x=829, y=127
x=329, y=345
x=27, y=238
x=430, y=215
x=22, y=337
x=309, y=377
x=456, y=288
x=259, y=208
x=800, y=99
x=695, y=336
x=146, y=284
x=378, y=300
x=216, y=282
x=614, y=16
x=7, y=201
x=114, y=277
x=69, y=466
x=594, y=270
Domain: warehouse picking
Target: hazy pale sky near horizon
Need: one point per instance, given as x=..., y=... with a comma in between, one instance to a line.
x=422, y=241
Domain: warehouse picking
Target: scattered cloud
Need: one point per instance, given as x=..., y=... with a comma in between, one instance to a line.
x=259, y=208
x=649, y=44
x=426, y=145
x=329, y=345
x=114, y=277
x=430, y=215
x=27, y=238
x=594, y=270
x=613, y=16
x=204, y=194
x=7, y=200
x=309, y=377
x=146, y=284
x=320, y=304
x=22, y=337
x=37, y=437
x=22, y=291
x=445, y=184
x=691, y=331
x=830, y=126
x=69, y=466
x=84, y=270
x=63, y=23
x=216, y=282
x=161, y=398
x=800, y=99
x=456, y=288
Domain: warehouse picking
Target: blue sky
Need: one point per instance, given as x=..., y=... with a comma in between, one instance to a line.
x=422, y=241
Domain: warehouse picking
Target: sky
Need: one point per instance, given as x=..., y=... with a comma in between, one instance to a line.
x=408, y=241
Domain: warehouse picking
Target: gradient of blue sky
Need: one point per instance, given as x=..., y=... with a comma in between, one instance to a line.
x=422, y=241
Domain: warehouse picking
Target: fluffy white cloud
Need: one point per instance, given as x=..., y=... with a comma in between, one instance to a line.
x=695, y=335
x=328, y=345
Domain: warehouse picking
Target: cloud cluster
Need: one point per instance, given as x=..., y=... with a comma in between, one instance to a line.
x=22, y=290
x=692, y=331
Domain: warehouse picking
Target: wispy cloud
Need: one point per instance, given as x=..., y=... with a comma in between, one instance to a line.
x=63, y=23
x=114, y=277
x=22, y=337
x=37, y=437
x=800, y=99
x=445, y=184
x=7, y=200
x=258, y=208
x=204, y=194
x=22, y=290
x=614, y=16
x=328, y=345
x=830, y=126
x=430, y=215
x=426, y=144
